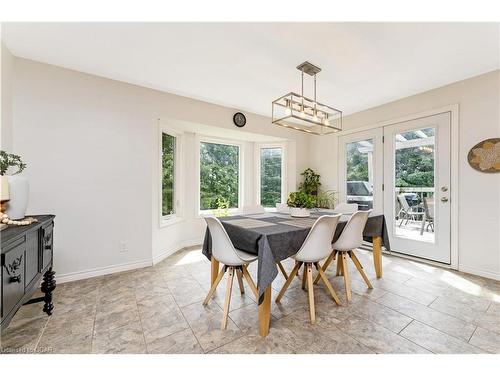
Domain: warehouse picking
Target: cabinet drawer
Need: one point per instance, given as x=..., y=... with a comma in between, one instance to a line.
x=13, y=277
x=32, y=257
x=47, y=244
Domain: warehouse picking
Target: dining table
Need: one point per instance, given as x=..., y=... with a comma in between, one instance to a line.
x=275, y=236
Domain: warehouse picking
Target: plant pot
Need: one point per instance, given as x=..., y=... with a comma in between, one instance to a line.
x=299, y=212
x=19, y=191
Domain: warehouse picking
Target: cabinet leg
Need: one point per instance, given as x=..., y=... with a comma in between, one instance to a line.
x=48, y=285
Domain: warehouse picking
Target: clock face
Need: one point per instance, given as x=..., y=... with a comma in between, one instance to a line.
x=239, y=119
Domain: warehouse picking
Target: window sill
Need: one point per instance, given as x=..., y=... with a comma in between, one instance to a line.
x=167, y=222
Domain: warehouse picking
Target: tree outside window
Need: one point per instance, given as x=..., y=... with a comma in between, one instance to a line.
x=270, y=176
x=219, y=175
x=168, y=174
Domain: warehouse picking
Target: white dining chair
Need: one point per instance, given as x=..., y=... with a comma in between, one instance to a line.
x=256, y=209
x=345, y=208
x=233, y=261
x=350, y=239
x=282, y=208
x=316, y=247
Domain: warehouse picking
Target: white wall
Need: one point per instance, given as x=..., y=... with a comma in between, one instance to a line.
x=7, y=62
x=91, y=145
x=479, y=193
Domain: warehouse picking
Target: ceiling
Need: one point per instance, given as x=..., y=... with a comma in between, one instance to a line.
x=247, y=65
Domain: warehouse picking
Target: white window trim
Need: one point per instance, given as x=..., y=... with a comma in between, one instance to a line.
x=176, y=217
x=230, y=142
x=284, y=192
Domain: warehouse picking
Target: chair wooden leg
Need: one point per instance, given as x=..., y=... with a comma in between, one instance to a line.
x=240, y=281
x=288, y=281
x=250, y=282
x=310, y=291
x=358, y=265
x=227, y=300
x=282, y=269
x=214, y=286
x=325, y=266
x=347, y=281
x=339, y=265
x=328, y=285
x=304, y=277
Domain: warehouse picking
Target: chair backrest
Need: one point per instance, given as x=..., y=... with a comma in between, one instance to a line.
x=282, y=207
x=403, y=202
x=222, y=247
x=345, y=208
x=429, y=207
x=257, y=209
x=318, y=243
x=352, y=234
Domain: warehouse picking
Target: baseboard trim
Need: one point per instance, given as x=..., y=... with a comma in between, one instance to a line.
x=166, y=253
x=479, y=272
x=101, y=271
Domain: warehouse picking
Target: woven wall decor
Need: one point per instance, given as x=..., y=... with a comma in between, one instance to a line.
x=485, y=156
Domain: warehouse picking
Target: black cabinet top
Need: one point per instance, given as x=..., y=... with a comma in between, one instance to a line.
x=13, y=232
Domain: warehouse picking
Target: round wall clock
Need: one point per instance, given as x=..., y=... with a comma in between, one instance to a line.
x=239, y=119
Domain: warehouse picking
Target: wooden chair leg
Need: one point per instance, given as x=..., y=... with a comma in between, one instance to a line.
x=325, y=266
x=358, y=265
x=240, y=281
x=339, y=265
x=214, y=286
x=304, y=276
x=288, y=281
x=347, y=281
x=327, y=283
x=227, y=300
x=282, y=269
x=250, y=282
x=310, y=291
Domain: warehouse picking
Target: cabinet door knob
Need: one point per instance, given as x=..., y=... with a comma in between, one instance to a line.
x=444, y=199
x=15, y=279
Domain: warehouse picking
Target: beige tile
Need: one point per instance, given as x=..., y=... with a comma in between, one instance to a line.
x=444, y=322
x=459, y=309
x=436, y=341
x=55, y=342
x=486, y=340
x=378, y=338
x=186, y=290
x=161, y=316
x=182, y=342
x=406, y=291
x=206, y=325
x=116, y=316
x=22, y=334
x=127, y=339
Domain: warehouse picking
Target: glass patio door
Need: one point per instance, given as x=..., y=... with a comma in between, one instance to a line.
x=361, y=169
x=417, y=187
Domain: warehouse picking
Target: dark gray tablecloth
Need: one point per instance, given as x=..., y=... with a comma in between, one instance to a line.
x=279, y=241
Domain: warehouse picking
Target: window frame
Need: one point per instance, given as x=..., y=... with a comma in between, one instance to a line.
x=257, y=157
x=165, y=220
x=227, y=142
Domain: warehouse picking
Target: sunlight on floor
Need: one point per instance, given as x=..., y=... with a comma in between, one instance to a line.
x=191, y=257
x=460, y=283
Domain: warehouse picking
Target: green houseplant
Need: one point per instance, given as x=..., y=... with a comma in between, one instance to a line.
x=311, y=182
x=300, y=203
x=17, y=185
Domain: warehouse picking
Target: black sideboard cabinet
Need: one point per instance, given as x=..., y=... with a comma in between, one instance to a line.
x=27, y=258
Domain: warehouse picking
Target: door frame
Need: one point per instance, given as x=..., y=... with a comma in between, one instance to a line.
x=453, y=109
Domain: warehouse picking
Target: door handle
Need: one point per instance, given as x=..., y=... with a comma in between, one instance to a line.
x=444, y=199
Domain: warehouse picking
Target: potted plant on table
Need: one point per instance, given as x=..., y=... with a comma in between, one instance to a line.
x=300, y=203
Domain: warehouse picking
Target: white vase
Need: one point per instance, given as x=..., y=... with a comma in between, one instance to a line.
x=19, y=191
x=299, y=212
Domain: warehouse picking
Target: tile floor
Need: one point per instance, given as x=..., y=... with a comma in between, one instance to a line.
x=414, y=308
